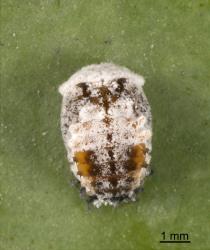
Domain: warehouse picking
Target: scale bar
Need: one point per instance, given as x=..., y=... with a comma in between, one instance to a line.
x=175, y=241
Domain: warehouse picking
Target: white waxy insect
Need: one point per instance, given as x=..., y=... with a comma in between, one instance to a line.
x=106, y=126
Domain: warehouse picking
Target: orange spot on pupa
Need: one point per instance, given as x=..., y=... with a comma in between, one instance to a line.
x=82, y=159
x=138, y=155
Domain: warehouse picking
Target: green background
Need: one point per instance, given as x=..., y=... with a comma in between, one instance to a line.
x=42, y=44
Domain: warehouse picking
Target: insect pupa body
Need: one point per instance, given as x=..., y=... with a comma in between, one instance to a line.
x=107, y=130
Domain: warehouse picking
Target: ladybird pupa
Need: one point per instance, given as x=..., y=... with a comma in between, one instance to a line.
x=106, y=126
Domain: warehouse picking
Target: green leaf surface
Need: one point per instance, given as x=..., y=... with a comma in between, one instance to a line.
x=42, y=44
